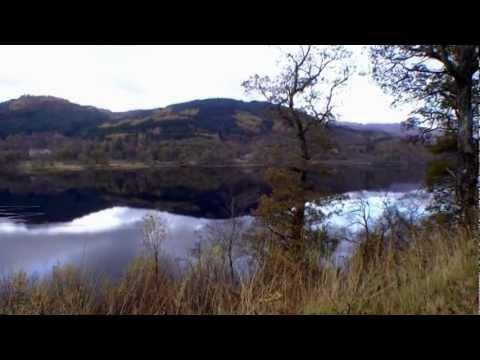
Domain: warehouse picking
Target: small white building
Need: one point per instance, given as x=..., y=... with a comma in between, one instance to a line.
x=35, y=153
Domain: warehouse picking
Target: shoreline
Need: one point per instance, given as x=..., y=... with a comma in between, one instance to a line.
x=28, y=167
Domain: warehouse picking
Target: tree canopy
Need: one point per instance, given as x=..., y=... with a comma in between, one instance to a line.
x=443, y=80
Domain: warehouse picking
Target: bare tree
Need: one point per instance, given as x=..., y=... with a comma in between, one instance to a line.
x=228, y=233
x=303, y=94
x=154, y=233
x=362, y=214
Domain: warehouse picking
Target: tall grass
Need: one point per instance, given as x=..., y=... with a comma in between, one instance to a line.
x=436, y=273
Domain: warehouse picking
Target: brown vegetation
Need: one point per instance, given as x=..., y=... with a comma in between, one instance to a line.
x=434, y=273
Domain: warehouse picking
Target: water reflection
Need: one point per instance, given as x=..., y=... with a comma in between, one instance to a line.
x=346, y=211
x=106, y=241
x=204, y=193
x=94, y=220
x=349, y=215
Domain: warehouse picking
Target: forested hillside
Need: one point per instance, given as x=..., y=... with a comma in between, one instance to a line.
x=211, y=131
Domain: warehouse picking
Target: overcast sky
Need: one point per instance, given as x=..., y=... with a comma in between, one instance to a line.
x=122, y=78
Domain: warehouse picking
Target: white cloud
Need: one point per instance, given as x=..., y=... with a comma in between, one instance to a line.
x=140, y=77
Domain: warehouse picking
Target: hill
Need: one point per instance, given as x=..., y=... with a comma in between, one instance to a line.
x=210, y=118
x=205, y=131
x=223, y=117
x=32, y=114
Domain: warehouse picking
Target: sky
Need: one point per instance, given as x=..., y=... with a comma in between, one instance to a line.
x=121, y=78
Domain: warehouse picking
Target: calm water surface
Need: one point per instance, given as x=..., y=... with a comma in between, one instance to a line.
x=94, y=221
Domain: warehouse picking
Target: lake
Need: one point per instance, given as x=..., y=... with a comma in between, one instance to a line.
x=93, y=220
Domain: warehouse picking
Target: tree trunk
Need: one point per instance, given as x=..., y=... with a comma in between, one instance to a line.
x=298, y=227
x=299, y=217
x=467, y=171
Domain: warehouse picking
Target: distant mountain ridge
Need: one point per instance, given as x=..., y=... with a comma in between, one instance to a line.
x=395, y=129
x=30, y=114
x=222, y=118
x=225, y=117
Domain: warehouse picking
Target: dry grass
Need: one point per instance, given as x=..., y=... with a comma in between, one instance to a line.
x=435, y=274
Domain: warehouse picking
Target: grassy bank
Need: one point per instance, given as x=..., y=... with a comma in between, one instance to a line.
x=435, y=274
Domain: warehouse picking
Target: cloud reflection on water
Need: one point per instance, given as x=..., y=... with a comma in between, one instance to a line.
x=107, y=240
